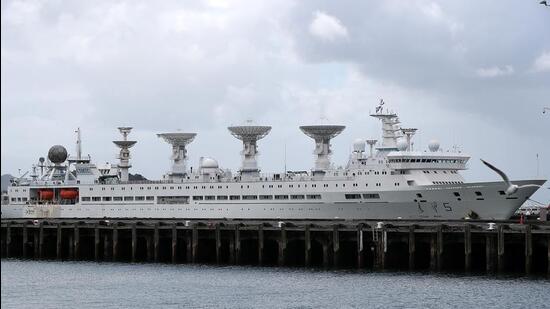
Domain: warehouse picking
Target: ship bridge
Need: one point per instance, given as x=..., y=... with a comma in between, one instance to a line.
x=415, y=160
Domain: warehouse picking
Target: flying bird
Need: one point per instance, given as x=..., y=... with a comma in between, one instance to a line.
x=544, y=3
x=512, y=188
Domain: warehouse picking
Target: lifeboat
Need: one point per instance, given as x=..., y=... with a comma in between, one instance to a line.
x=68, y=194
x=45, y=194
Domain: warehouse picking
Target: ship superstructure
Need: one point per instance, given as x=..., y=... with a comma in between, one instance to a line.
x=393, y=180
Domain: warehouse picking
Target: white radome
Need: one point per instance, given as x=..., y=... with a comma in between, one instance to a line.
x=433, y=145
x=209, y=163
x=402, y=145
x=359, y=145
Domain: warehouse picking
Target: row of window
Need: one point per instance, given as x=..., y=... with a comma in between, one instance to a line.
x=256, y=197
x=116, y=198
x=447, y=182
x=426, y=161
x=365, y=196
x=444, y=172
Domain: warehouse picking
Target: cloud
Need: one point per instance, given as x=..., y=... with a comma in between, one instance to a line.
x=542, y=63
x=327, y=27
x=495, y=71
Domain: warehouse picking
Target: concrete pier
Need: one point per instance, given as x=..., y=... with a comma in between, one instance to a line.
x=470, y=246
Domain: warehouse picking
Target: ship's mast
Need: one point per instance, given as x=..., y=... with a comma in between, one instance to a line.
x=390, y=127
x=124, y=155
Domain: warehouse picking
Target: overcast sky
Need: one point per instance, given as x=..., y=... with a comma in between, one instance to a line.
x=470, y=74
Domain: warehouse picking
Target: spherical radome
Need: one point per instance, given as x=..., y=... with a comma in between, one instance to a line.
x=57, y=154
x=402, y=145
x=359, y=145
x=209, y=163
x=433, y=145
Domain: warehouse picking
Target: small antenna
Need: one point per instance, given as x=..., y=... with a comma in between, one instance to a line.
x=537, y=165
x=285, y=157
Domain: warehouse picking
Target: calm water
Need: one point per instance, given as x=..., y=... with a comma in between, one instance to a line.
x=30, y=284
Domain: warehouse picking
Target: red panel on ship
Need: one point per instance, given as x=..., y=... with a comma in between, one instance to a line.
x=68, y=194
x=45, y=194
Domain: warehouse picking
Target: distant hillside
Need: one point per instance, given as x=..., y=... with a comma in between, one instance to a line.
x=136, y=177
x=6, y=181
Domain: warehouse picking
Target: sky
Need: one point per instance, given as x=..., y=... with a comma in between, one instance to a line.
x=474, y=75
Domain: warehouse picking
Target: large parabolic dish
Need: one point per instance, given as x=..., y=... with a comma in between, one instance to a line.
x=322, y=134
x=178, y=140
x=249, y=135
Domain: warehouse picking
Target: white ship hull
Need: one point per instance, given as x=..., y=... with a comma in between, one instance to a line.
x=437, y=203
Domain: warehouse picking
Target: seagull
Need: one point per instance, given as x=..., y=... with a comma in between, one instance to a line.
x=512, y=188
x=544, y=3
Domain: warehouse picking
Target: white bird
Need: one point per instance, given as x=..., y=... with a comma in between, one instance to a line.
x=512, y=188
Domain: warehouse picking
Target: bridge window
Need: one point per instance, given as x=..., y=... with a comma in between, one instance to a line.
x=371, y=196
x=221, y=197
x=281, y=197
x=266, y=197
x=297, y=197
x=234, y=197
x=140, y=198
x=353, y=196
x=314, y=196
x=250, y=197
x=210, y=197
x=117, y=198
x=128, y=198
x=197, y=198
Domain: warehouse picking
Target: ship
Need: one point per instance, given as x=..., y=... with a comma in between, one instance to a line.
x=389, y=180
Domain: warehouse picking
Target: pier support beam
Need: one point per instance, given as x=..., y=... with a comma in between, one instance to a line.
x=134, y=242
x=96, y=243
x=35, y=243
x=237, y=245
x=335, y=245
x=307, y=246
x=282, y=247
x=189, y=244
x=71, y=246
x=76, y=242
x=8, y=239
x=360, y=246
x=489, y=253
x=325, y=255
x=174, y=243
x=439, y=247
x=195, y=243
x=528, y=249
x=58, y=243
x=41, y=241
x=218, y=235
x=232, y=249
x=467, y=247
x=156, y=242
x=548, y=248
x=25, y=240
x=412, y=247
x=115, y=243
x=433, y=252
x=500, y=248
x=261, y=245
x=149, y=246
x=106, y=247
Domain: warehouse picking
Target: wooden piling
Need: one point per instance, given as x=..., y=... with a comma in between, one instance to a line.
x=134, y=242
x=335, y=246
x=25, y=239
x=97, y=241
x=71, y=246
x=58, y=243
x=8, y=239
x=237, y=245
x=115, y=243
x=41, y=241
x=325, y=255
x=489, y=253
x=500, y=248
x=412, y=247
x=189, y=246
x=218, y=235
x=360, y=246
x=439, y=247
x=528, y=249
x=195, y=243
x=76, y=242
x=467, y=248
x=282, y=246
x=106, y=247
x=174, y=243
x=35, y=243
x=261, y=244
x=307, y=245
x=149, y=247
x=433, y=251
x=156, y=242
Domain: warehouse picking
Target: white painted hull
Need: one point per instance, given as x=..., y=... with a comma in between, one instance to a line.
x=437, y=203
